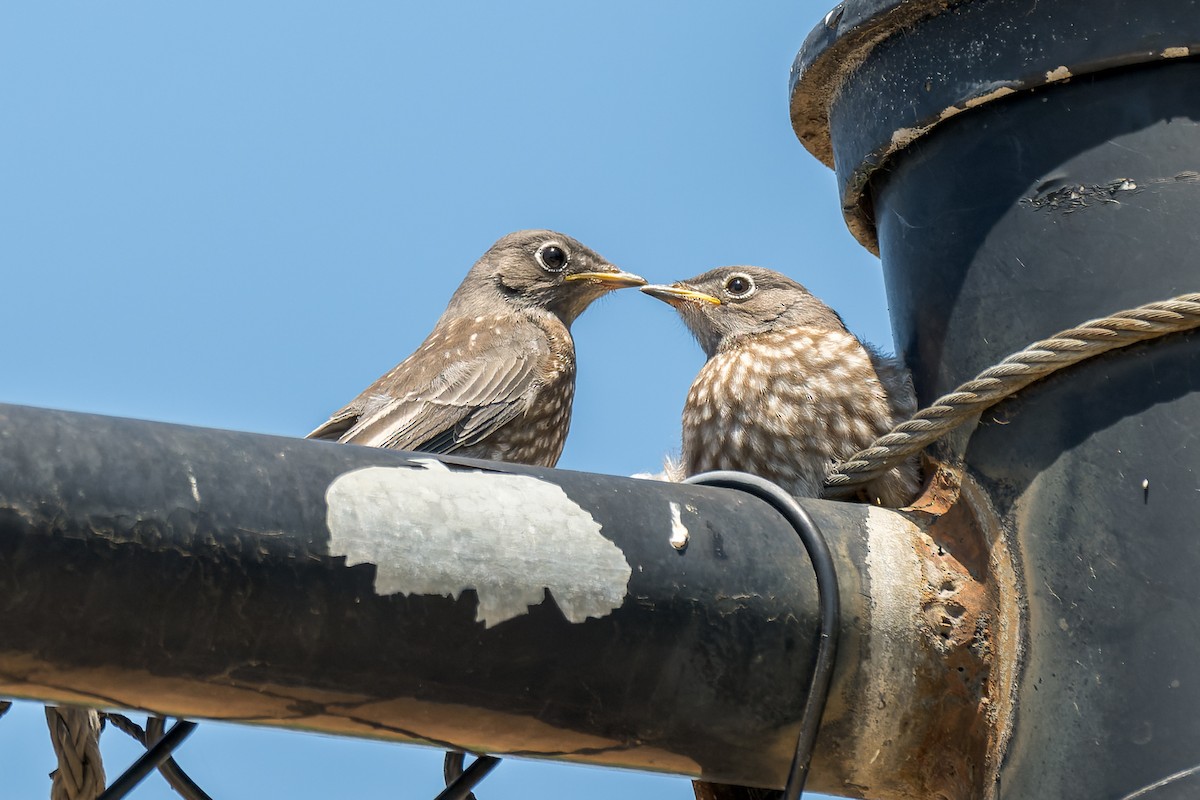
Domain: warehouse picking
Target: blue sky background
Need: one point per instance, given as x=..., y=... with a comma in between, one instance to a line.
x=238, y=215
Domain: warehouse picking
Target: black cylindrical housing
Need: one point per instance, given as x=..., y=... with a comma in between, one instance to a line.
x=1023, y=167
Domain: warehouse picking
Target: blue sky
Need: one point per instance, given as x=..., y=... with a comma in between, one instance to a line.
x=238, y=215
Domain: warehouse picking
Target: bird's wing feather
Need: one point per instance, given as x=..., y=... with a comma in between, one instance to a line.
x=473, y=428
x=437, y=407
x=333, y=428
x=478, y=398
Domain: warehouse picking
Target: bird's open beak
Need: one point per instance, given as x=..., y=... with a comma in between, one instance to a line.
x=617, y=279
x=676, y=295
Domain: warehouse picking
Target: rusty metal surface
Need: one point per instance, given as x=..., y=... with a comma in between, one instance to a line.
x=924, y=680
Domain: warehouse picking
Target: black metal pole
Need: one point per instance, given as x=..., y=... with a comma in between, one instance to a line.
x=235, y=576
x=1023, y=167
x=484, y=607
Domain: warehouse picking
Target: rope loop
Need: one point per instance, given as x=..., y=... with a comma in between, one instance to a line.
x=1008, y=377
x=75, y=735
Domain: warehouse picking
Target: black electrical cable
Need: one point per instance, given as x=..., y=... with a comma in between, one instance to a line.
x=148, y=761
x=460, y=782
x=827, y=596
x=179, y=780
x=452, y=768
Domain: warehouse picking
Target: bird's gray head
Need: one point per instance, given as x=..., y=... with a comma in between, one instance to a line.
x=538, y=269
x=724, y=304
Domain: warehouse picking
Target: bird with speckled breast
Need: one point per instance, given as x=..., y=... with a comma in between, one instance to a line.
x=787, y=390
x=496, y=376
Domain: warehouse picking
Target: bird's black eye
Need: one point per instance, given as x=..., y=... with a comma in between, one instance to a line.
x=739, y=285
x=553, y=258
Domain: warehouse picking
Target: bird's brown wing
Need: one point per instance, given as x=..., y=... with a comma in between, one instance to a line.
x=474, y=400
x=339, y=423
x=433, y=407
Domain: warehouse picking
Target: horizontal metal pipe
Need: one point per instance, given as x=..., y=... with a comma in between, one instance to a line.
x=487, y=607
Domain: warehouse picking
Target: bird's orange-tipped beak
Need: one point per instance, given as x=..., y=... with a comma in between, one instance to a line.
x=617, y=279
x=676, y=295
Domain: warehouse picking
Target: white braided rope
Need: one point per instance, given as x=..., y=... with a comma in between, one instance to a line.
x=1014, y=373
x=75, y=734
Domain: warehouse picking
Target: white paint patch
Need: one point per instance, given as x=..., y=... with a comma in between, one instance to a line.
x=679, y=531
x=434, y=531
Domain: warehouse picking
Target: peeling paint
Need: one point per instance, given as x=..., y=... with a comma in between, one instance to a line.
x=947, y=113
x=1058, y=74
x=436, y=531
x=679, y=531
x=1074, y=197
x=1176, y=52
x=904, y=137
x=995, y=94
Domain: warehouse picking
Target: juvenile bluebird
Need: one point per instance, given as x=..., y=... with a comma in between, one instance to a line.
x=787, y=390
x=496, y=376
